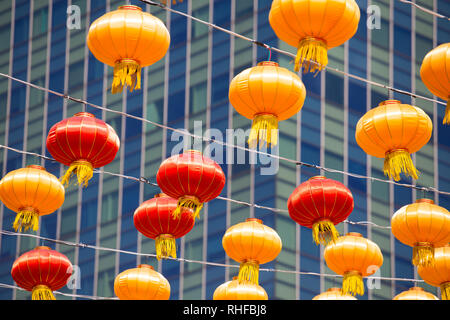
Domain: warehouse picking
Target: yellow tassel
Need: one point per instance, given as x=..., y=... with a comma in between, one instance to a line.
x=264, y=131
x=445, y=291
x=165, y=246
x=190, y=203
x=26, y=218
x=447, y=114
x=398, y=161
x=249, y=271
x=313, y=49
x=324, y=232
x=83, y=170
x=41, y=292
x=353, y=283
x=423, y=254
x=126, y=72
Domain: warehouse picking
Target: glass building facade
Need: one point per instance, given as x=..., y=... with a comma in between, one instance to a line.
x=189, y=86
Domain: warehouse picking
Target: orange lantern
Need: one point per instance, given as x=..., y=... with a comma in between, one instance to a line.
x=31, y=192
x=415, y=293
x=354, y=257
x=128, y=39
x=251, y=243
x=393, y=131
x=334, y=294
x=266, y=94
x=314, y=27
x=233, y=290
x=424, y=226
x=438, y=273
x=435, y=74
x=141, y=283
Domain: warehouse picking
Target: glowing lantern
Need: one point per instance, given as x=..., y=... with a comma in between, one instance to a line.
x=393, y=131
x=128, y=39
x=438, y=273
x=246, y=290
x=83, y=143
x=191, y=178
x=154, y=220
x=354, y=257
x=31, y=192
x=435, y=74
x=141, y=283
x=251, y=243
x=424, y=226
x=334, y=294
x=415, y=293
x=314, y=27
x=41, y=271
x=320, y=204
x=266, y=94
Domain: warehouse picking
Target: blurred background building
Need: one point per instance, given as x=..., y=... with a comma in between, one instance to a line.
x=191, y=84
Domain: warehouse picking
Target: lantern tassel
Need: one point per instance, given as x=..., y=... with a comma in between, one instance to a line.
x=83, y=170
x=324, y=232
x=423, y=255
x=353, y=283
x=249, y=271
x=42, y=292
x=311, y=49
x=399, y=161
x=445, y=291
x=165, y=246
x=263, y=131
x=447, y=114
x=27, y=219
x=126, y=72
x=190, y=203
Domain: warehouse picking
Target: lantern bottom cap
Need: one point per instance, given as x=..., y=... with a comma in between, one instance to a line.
x=165, y=246
x=249, y=271
x=264, y=131
x=423, y=254
x=353, y=283
x=399, y=161
x=188, y=202
x=127, y=72
x=42, y=292
x=312, y=55
x=26, y=218
x=324, y=232
x=84, y=171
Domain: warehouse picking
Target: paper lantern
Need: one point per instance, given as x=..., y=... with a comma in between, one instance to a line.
x=354, y=257
x=393, y=131
x=435, y=74
x=41, y=271
x=246, y=290
x=128, y=40
x=31, y=192
x=415, y=293
x=191, y=178
x=314, y=27
x=424, y=226
x=251, y=243
x=83, y=143
x=334, y=294
x=437, y=274
x=320, y=204
x=154, y=220
x=266, y=94
x=141, y=283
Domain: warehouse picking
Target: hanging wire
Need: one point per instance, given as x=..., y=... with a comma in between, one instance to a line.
x=225, y=144
x=215, y=264
x=436, y=14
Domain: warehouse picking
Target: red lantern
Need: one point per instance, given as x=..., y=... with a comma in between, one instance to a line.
x=154, y=220
x=320, y=204
x=41, y=271
x=83, y=143
x=191, y=178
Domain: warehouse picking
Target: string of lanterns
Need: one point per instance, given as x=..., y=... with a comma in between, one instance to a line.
x=129, y=39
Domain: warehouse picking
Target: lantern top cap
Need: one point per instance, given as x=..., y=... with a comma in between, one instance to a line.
x=334, y=289
x=416, y=289
x=424, y=200
x=268, y=63
x=355, y=234
x=129, y=7
x=35, y=166
x=235, y=277
x=84, y=114
x=383, y=103
x=317, y=177
x=253, y=219
x=42, y=248
x=161, y=195
x=193, y=151
x=145, y=266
